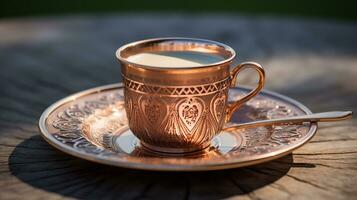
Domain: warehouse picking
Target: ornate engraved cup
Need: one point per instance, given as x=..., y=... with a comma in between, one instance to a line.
x=178, y=110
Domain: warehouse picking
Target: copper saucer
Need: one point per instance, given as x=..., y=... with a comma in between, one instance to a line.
x=92, y=125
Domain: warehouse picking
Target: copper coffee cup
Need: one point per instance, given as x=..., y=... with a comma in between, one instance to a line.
x=179, y=110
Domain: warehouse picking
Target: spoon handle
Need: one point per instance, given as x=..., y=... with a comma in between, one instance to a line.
x=315, y=117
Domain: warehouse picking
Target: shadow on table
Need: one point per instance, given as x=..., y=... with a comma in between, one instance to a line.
x=36, y=163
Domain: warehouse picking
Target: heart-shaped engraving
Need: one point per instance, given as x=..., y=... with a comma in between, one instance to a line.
x=218, y=105
x=154, y=110
x=190, y=111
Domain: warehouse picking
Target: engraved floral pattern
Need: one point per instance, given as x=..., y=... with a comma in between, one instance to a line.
x=218, y=106
x=190, y=111
x=70, y=123
x=265, y=139
x=153, y=109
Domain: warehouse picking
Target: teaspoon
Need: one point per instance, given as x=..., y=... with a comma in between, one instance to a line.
x=315, y=117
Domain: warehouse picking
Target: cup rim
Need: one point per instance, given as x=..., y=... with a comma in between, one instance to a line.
x=224, y=46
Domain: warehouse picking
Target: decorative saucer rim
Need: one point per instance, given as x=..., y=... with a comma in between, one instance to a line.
x=233, y=163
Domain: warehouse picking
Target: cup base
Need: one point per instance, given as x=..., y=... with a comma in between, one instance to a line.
x=175, y=151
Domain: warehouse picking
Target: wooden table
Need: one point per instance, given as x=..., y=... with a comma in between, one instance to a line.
x=45, y=59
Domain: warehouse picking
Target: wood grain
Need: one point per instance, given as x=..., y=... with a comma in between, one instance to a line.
x=45, y=59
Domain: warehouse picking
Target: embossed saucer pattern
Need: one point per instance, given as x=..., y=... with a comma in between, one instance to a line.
x=92, y=125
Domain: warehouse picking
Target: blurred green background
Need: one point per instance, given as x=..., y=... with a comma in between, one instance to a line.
x=336, y=9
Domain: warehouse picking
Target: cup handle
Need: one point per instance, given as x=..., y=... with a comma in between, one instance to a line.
x=234, y=106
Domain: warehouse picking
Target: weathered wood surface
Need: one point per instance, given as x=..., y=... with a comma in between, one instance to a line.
x=43, y=60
